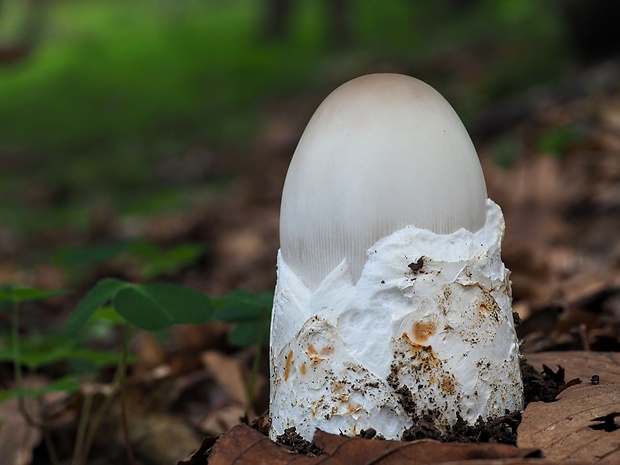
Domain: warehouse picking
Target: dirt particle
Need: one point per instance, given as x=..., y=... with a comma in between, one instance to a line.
x=338, y=388
x=368, y=433
x=392, y=378
x=417, y=266
x=447, y=385
x=422, y=428
x=443, y=301
x=406, y=400
x=489, y=307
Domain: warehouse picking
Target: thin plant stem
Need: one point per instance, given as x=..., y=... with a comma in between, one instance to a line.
x=49, y=446
x=17, y=364
x=99, y=414
x=255, y=367
x=79, y=452
x=17, y=374
x=123, y=393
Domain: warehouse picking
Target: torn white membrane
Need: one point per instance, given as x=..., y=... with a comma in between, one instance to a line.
x=426, y=331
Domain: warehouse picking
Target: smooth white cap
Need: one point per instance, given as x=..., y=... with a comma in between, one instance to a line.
x=381, y=152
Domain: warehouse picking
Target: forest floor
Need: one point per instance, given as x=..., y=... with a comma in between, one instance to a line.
x=551, y=161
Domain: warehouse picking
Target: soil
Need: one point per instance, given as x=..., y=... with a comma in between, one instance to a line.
x=538, y=387
x=294, y=440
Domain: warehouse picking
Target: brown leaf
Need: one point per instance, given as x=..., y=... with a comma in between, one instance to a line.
x=579, y=364
x=242, y=445
x=230, y=391
x=227, y=371
x=580, y=425
x=511, y=461
x=245, y=446
x=356, y=450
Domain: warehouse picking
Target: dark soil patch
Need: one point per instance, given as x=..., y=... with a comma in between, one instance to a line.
x=501, y=430
x=541, y=387
x=293, y=439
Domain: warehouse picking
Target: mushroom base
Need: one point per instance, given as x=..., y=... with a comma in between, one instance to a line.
x=427, y=331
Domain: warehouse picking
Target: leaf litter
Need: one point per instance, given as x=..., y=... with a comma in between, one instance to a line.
x=561, y=202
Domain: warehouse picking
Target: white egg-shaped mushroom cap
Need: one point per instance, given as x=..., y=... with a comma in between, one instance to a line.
x=381, y=152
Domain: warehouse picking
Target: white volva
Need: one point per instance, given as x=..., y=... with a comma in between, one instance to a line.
x=392, y=302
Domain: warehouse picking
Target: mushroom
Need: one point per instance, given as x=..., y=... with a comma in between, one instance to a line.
x=392, y=302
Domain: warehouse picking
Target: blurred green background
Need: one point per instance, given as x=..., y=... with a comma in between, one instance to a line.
x=99, y=100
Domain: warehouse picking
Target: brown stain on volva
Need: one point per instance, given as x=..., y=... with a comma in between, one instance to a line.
x=353, y=408
x=326, y=351
x=318, y=356
x=302, y=369
x=414, y=346
x=424, y=354
x=423, y=330
x=288, y=364
x=312, y=352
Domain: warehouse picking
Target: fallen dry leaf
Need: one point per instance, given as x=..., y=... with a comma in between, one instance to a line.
x=229, y=407
x=246, y=446
x=227, y=372
x=581, y=364
x=581, y=425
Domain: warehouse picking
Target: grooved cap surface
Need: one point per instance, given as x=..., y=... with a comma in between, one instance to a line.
x=381, y=152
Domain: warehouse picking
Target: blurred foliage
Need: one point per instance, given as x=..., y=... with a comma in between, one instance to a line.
x=150, y=307
x=249, y=313
x=127, y=70
x=113, y=91
x=152, y=261
x=560, y=138
x=506, y=151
